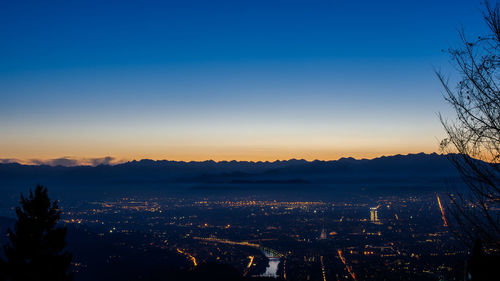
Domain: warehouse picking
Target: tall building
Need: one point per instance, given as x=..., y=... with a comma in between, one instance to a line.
x=374, y=214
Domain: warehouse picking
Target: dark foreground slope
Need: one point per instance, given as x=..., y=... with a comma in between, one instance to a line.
x=126, y=257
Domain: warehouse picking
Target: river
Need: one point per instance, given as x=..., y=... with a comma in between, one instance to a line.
x=272, y=267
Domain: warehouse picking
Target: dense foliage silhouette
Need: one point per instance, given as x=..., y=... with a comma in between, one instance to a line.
x=36, y=248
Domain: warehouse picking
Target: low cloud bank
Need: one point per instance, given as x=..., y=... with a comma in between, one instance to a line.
x=65, y=161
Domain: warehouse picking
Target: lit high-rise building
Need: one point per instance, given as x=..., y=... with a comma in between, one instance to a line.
x=373, y=214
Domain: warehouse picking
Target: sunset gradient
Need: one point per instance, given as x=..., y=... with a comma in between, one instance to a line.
x=224, y=80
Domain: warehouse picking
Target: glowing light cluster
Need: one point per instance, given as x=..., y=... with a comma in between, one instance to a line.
x=442, y=211
x=349, y=269
x=191, y=257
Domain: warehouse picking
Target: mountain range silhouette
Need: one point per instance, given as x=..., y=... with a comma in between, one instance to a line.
x=412, y=171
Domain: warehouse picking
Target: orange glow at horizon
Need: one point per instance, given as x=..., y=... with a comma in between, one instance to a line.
x=123, y=151
x=242, y=141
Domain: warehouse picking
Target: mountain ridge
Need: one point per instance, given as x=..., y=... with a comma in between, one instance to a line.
x=146, y=161
x=413, y=170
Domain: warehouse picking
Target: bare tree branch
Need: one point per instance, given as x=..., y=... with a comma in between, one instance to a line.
x=473, y=136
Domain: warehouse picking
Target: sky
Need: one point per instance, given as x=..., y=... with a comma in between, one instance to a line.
x=225, y=80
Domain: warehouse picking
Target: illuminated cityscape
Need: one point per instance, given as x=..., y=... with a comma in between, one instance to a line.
x=403, y=237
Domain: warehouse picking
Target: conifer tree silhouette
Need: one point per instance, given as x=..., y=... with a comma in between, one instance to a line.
x=35, y=251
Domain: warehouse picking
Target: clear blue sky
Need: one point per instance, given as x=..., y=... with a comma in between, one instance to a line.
x=245, y=80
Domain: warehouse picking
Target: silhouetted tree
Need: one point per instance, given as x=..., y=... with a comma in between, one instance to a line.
x=474, y=134
x=35, y=251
